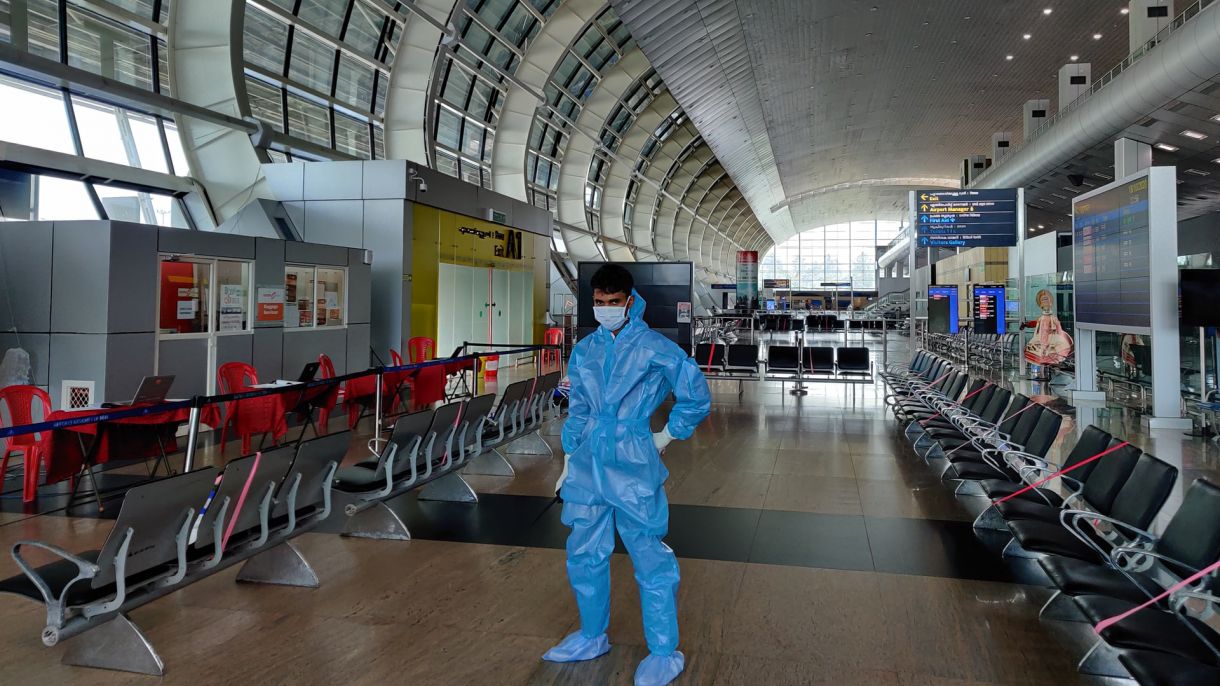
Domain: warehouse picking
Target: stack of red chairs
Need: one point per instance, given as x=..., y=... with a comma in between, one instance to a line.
x=250, y=416
x=326, y=370
x=549, y=355
x=20, y=402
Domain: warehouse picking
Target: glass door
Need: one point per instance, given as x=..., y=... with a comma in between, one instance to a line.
x=203, y=320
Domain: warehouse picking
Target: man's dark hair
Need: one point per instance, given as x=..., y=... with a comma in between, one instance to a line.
x=612, y=278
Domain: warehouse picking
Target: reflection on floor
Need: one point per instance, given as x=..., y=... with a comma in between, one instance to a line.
x=815, y=549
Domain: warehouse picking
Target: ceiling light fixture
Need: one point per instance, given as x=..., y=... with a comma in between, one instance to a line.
x=1047, y=11
x=1124, y=11
x=1008, y=57
x=1194, y=134
x=1216, y=117
x=1216, y=161
x=1097, y=36
x=1042, y=226
x=1074, y=57
x=1166, y=147
x=1027, y=36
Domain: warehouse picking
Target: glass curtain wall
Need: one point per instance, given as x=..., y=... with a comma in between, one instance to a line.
x=319, y=70
x=121, y=40
x=468, y=91
x=836, y=253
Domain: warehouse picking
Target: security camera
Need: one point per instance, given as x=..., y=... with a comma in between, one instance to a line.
x=414, y=176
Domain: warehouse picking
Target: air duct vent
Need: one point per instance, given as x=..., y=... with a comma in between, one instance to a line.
x=76, y=394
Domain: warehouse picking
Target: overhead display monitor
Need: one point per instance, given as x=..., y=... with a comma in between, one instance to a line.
x=942, y=309
x=1200, y=297
x=989, y=310
x=967, y=218
x=1110, y=258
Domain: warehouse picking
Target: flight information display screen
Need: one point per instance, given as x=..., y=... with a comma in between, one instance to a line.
x=942, y=309
x=1110, y=237
x=989, y=309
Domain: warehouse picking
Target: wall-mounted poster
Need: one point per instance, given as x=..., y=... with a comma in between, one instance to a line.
x=684, y=312
x=1051, y=345
x=187, y=309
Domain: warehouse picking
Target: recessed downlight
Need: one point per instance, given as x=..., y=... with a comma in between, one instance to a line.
x=1047, y=11
x=1166, y=147
x=1027, y=36
x=1074, y=57
x=1097, y=36
x=1124, y=11
x=1008, y=57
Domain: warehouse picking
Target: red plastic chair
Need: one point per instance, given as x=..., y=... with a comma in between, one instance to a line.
x=252, y=415
x=429, y=386
x=421, y=349
x=20, y=401
x=326, y=370
x=552, y=337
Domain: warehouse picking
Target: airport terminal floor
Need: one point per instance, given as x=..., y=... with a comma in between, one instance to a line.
x=815, y=547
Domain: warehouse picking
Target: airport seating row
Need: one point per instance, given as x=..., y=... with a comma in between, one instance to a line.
x=1085, y=521
x=172, y=532
x=785, y=362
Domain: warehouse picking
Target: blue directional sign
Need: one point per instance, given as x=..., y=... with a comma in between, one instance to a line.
x=966, y=218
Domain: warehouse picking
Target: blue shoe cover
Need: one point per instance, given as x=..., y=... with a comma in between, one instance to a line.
x=658, y=670
x=576, y=648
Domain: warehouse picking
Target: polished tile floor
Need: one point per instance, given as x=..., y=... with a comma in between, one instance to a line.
x=815, y=548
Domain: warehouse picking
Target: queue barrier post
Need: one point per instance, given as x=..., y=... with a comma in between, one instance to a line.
x=192, y=436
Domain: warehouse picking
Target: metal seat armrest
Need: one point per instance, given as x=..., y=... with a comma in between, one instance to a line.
x=218, y=527
x=1077, y=515
x=1128, y=557
x=56, y=609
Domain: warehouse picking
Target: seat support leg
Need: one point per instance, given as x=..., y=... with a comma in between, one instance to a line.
x=283, y=565
x=554, y=427
x=377, y=522
x=529, y=444
x=1102, y=660
x=450, y=487
x=990, y=519
x=971, y=488
x=491, y=462
x=1061, y=608
x=119, y=645
x=1014, y=549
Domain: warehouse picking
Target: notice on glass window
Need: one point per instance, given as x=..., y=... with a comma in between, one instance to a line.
x=187, y=309
x=231, y=321
x=292, y=317
x=232, y=299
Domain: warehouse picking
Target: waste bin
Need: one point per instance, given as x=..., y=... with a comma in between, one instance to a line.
x=490, y=365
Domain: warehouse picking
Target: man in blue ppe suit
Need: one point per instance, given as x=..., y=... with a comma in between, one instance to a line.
x=613, y=476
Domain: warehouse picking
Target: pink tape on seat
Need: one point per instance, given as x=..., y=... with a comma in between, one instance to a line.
x=1102, y=625
x=1078, y=465
x=241, y=500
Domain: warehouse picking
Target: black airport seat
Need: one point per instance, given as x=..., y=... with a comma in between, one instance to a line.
x=710, y=356
x=742, y=358
x=1152, y=629
x=819, y=360
x=1154, y=668
x=392, y=465
x=146, y=545
x=1091, y=442
x=1077, y=534
x=784, y=359
x=470, y=430
x=1191, y=541
x=1033, y=435
x=854, y=361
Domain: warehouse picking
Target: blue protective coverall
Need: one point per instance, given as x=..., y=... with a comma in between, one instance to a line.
x=615, y=475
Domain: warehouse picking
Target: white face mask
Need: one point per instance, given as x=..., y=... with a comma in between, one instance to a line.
x=611, y=317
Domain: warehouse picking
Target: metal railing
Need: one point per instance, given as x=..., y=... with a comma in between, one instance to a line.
x=1104, y=80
